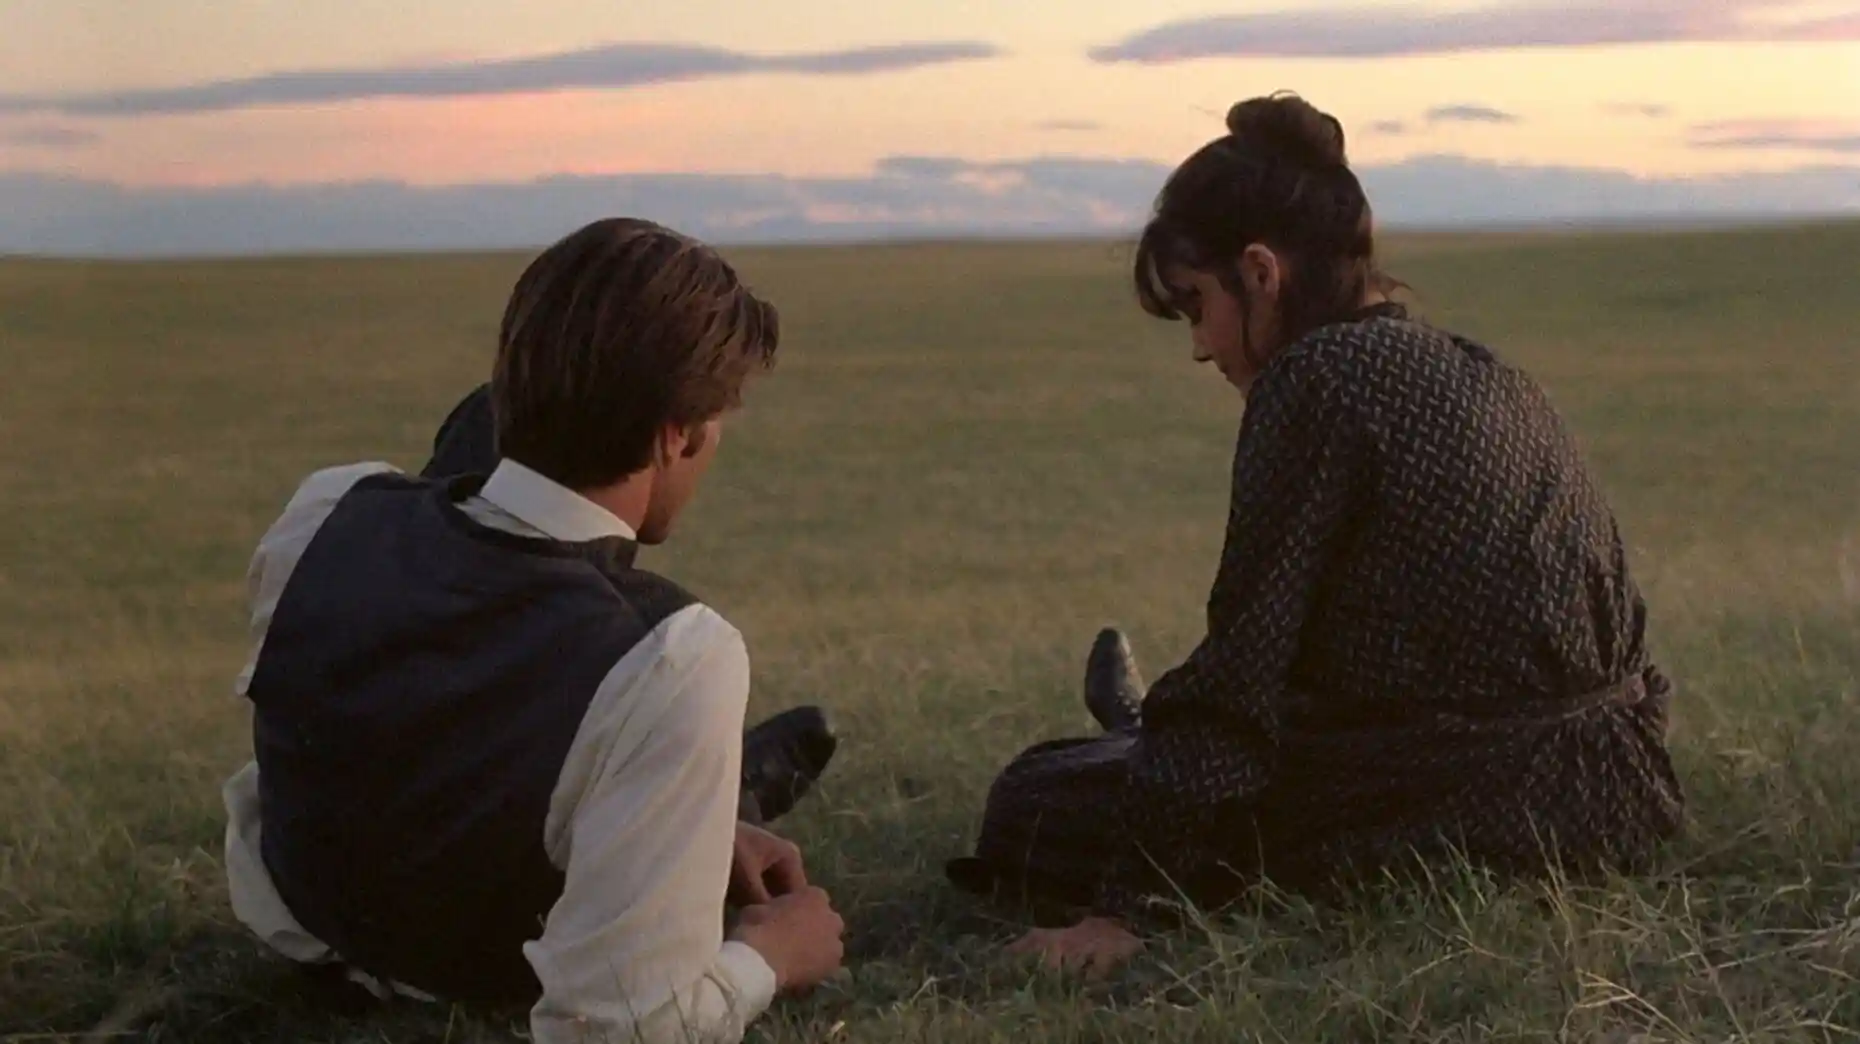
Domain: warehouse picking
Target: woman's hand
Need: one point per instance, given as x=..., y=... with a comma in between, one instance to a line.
x=1095, y=944
x=763, y=867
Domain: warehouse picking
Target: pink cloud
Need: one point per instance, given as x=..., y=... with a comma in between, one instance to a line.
x=416, y=142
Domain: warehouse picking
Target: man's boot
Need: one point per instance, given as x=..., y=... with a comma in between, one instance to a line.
x=782, y=758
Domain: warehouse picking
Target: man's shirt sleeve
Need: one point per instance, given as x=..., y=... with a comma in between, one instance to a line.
x=643, y=823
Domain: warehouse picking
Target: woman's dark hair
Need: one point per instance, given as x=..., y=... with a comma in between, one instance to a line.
x=1278, y=177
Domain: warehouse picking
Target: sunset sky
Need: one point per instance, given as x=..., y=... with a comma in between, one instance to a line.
x=207, y=93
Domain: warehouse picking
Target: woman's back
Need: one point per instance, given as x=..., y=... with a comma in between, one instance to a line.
x=1479, y=571
x=1423, y=621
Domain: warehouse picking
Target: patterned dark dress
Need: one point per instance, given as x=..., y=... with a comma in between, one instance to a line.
x=1422, y=641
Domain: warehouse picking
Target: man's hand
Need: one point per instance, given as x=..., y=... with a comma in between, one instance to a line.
x=798, y=934
x=1096, y=944
x=763, y=867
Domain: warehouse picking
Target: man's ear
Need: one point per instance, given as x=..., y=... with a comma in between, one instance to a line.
x=670, y=445
x=679, y=443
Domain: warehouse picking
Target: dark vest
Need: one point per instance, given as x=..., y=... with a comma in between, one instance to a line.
x=416, y=695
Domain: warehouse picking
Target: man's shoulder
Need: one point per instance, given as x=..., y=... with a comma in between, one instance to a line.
x=315, y=498
x=691, y=629
x=659, y=598
x=327, y=485
x=690, y=676
x=691, y=642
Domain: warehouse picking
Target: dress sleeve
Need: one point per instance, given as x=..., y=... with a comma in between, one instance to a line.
x=1210, y=724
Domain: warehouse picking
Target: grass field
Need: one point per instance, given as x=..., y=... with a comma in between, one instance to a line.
x=969, y=458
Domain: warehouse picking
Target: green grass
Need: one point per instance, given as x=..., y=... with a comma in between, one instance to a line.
x=968, y=459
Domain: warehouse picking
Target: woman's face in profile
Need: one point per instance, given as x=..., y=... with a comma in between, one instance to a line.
x=1219, y=329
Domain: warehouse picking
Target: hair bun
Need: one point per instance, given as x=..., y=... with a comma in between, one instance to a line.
x=1288, y=125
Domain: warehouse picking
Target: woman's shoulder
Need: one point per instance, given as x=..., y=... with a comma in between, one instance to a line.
x=1383, y=342
x=1392, y=368
x=1382, y=332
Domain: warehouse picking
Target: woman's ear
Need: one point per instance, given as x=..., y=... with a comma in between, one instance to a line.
x=1260, y=271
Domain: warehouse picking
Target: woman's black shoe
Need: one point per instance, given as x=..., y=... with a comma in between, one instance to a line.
x=1113, y=688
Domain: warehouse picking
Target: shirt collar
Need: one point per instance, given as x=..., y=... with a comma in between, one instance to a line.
x=558, y=512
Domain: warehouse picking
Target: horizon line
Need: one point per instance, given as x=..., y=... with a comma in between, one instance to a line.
x=1702, y=222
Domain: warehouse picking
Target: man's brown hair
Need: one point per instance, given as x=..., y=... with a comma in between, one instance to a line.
x=615, y=331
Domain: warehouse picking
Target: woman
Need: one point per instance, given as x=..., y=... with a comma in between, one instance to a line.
x=1423, y=640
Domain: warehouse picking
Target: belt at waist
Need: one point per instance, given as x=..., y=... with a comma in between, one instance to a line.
x=1314, y=713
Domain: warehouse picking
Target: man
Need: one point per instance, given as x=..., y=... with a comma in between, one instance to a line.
x=497, y=763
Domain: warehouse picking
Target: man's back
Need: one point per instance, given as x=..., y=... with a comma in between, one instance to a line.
x=425, y=678
x=453, y=688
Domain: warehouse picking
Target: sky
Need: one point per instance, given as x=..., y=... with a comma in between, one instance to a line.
x=148, y=125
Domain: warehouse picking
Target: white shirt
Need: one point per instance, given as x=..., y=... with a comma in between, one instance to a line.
x=641, y=822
